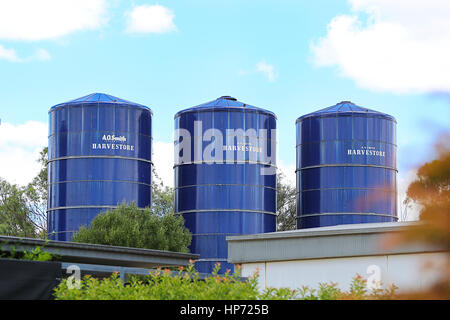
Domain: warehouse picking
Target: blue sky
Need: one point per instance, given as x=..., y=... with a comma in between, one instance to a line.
x=291, y=57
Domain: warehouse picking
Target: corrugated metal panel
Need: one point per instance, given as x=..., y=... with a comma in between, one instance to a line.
x=321, y=243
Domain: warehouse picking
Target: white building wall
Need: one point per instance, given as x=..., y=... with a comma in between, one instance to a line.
x=406, y=271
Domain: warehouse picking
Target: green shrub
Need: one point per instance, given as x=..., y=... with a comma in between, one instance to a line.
x=162, y=285
x=129, y=226
x=36, y=254
x=186, y=285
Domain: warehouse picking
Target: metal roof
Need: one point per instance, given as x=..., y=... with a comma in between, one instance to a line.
x=319, y=243
x=346, y=108
x=225, y=103
x=100, y=98
x=100, y=254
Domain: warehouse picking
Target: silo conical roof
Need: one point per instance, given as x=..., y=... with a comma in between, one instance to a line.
x=345, y=108
x=102, y=98
x=225, y=103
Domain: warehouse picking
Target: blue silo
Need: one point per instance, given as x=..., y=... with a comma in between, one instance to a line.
x=225, y=182
x=346, y=167
x=100, y=155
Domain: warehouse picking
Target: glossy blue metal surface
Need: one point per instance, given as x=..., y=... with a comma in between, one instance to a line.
x=100, y=151
x=346, y=167
x=232, y=197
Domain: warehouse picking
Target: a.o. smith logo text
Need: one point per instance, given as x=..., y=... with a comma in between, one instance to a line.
x=112, y=137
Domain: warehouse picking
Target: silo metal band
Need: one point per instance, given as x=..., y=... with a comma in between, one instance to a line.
x=345, y=165
x=101, y=132
x=118, y=181
x=224, y=161
x=85, y=207
x=345, y=140
x=225, y=210
x=100, y=157
x=257, y=136
x=345, y=213
x=349, y=188
x=224, y=185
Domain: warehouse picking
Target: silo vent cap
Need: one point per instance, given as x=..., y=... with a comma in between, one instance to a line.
x=228, y=98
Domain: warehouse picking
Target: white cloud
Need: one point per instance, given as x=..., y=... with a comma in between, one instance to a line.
x=403, y=181
x=163, y=159
x=42, y=55
x=33, y=20
x=150, y=19
x=267, y=70
x=400, y=46
x=12, y=56
x=288, y=170
x=9, y=54
x=242, y=73
x=19, y=150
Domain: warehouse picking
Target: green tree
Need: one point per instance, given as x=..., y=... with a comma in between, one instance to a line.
x=286, y=204
x=431, y=191
x=163, y=196
x=23, y=210
x=36, y=194
x=130, y=226
x=15, y=218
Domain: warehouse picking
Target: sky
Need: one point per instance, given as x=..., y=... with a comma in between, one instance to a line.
x=290, y=57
